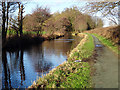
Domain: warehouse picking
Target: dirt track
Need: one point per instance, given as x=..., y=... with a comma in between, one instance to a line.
x=106, y=73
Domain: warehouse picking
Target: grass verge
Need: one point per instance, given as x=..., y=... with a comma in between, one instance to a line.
x=108, y=43
x=70, y=74
x=84, y=51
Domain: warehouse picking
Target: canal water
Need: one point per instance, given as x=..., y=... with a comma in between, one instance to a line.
x=22, y=67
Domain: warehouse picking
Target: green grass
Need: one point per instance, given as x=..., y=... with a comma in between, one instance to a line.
x=80, y=78
x=85, y=51
x=88, y=48
x=44, y=32
x=70, y=74
x=11, y=32
x=29, y=32
x=108, y=43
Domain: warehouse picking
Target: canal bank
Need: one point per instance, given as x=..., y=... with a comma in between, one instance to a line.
x=73, y=73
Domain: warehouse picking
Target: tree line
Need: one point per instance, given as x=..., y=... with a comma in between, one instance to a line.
x=71, y=19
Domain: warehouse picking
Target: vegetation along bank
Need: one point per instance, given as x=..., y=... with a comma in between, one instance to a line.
x=75, y=72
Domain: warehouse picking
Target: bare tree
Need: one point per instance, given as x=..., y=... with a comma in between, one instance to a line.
x=36, y=20
x=3, y=22
x=7, y=7
x=40, y=15
x=13, y=25
x=107, y=9
x=20, y=17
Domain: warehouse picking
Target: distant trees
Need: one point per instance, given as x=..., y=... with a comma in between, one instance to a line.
x=71, y=19
x=36, y=20
x=107, y=9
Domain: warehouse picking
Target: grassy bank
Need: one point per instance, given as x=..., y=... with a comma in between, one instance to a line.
x=83, y=51
x=108, y=43
x=72, y=73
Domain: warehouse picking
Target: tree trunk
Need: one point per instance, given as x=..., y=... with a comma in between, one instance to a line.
x=19, y=17
x=21, y=20
x=3, y=23
x=7, y=17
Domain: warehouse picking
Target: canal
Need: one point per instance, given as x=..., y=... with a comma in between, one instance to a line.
x=20, y=68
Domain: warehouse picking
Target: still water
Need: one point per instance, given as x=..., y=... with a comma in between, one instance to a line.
x=22, y=67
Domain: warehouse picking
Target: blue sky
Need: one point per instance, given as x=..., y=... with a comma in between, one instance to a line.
x=58, y=5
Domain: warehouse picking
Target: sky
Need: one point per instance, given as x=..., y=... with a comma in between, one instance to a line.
x=57, y=6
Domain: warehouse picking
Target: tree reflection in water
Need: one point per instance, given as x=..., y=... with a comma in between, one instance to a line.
x=6, y=71
x=14, y=71
x=37, y=58
x=22, y=71
x=9, y=68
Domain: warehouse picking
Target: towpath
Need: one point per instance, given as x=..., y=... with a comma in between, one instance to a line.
x=106, y=67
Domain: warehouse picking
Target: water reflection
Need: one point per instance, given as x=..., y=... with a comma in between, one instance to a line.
x=22, y=67
x=22, y=70
x=9, y=67
x=6, y=71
